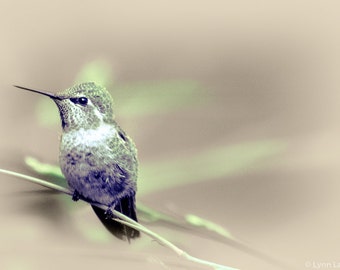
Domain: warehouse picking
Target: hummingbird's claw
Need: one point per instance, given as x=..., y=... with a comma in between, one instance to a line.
x=76, y=195
x=108, y=213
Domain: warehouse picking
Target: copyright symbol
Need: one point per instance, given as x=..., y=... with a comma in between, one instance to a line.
x=308, y=264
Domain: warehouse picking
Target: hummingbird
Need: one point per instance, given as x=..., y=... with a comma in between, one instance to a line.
x=97, y=158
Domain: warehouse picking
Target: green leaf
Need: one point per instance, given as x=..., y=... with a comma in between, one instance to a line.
x=209, y=225
x=43, y=168
x=209, y=164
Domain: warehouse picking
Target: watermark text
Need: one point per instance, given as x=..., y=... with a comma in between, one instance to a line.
x=322, y=264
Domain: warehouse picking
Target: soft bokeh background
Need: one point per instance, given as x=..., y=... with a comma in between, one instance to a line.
x=233, y=107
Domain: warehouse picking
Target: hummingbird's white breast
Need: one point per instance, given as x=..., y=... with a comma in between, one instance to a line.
x=90, y=137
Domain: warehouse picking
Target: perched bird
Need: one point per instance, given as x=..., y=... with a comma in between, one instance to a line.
x=97, y=158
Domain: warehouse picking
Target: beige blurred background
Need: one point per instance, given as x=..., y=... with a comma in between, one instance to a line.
x=270, y=73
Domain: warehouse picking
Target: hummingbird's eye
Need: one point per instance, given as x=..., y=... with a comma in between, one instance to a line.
x=81, y=100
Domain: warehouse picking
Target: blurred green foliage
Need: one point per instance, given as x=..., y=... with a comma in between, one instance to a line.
x=44, y=168
x=99, y=71
x=141, y=99
x=211, y=226
x=206, y=165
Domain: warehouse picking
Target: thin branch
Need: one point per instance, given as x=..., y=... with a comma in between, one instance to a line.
x=38, y=181
x=124, y=220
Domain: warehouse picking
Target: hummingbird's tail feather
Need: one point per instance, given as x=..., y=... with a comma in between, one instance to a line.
x=127, y=207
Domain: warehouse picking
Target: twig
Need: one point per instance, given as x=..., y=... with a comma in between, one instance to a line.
x=124, y=220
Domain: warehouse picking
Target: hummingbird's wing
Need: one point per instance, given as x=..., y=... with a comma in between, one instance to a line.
x=125, y=205
x=120, y=178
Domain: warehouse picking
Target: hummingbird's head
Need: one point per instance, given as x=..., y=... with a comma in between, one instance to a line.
x=85, y=105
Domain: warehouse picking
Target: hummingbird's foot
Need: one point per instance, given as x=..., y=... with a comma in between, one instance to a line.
x=76, y=195
x=108, y=213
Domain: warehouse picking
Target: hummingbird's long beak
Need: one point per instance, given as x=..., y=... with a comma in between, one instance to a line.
x=39, y=92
